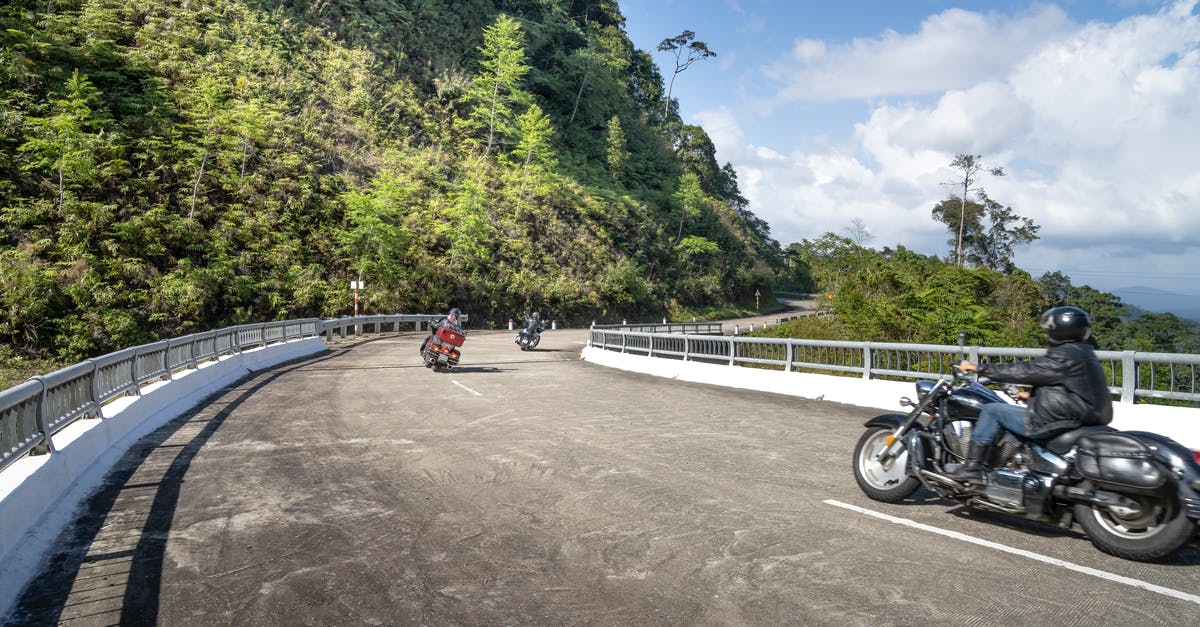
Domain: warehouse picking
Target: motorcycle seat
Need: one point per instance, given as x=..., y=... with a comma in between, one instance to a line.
x=1062, y=443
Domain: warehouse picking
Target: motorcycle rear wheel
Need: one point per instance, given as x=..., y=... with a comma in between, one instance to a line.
x=889, y=484
x=1160, y=530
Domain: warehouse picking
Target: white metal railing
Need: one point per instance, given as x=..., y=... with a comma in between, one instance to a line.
x=1133, y=376
x=33, y=411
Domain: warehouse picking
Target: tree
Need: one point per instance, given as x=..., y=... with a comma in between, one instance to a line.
x=993, y=246
x=686, y=53
x=68, y=141
x=618, y=154
x=969, y=166
x=690, y=198
x=987, y=232
x=497, y=89
x=859, y=232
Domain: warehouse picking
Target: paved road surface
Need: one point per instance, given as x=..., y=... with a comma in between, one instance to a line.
x=357, y=487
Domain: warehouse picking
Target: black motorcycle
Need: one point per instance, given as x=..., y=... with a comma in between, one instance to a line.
x=1135, y=494
x=531, y=333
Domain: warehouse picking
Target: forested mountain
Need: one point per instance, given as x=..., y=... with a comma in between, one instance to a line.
x=168, y=166
x=902, y=296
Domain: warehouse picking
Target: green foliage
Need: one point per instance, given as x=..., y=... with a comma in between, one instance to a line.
x=497, y=89
x=989, y=231
x=175, y=166
x=901, y=296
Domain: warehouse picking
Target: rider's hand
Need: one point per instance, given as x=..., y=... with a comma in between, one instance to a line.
x=968, y=367
x=1023, y=395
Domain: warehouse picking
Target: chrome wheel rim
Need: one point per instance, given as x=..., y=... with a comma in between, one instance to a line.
x=879, y=476
x=1137, y=527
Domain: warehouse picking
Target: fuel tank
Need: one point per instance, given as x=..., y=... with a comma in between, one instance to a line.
x=968, y=401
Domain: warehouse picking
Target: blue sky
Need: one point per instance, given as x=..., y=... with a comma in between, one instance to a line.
x=839, y=111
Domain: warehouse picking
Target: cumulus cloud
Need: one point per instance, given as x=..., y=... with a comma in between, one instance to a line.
x=953, y=49
x=1096, y=124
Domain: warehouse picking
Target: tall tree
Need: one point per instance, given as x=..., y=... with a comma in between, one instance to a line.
x=988, y=232
x=686, y=52
x=969, y=167
x=993, y=246
x=496, y=90
x=690, y=199
x=617, y=153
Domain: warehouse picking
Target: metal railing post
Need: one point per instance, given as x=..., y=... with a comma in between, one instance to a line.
x=788, y=366
x=867, y=361
x=42, y=423
x=732, y=351
x=1128, y=376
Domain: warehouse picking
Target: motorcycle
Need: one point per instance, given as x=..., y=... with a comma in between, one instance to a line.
x=441, y=349
x=1135, y=494
x=531, y=334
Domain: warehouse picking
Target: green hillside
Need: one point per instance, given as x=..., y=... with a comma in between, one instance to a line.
x=173, y=166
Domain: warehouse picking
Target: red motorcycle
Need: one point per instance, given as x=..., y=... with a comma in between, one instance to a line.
x=440, y=350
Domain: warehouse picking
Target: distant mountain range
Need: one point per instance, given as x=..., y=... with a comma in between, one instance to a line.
x=1160, y=301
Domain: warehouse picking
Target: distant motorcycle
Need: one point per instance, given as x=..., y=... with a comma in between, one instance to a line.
x=1136, y=494
x=531, y=333
x=441, y=349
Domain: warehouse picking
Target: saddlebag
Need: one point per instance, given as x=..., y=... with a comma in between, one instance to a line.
x=450, y=335
x=1120, y=462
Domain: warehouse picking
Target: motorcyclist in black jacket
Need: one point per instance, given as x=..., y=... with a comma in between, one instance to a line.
x=1069, y=390
x=450, y=319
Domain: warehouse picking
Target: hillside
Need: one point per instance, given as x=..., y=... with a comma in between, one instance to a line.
x=172, y=166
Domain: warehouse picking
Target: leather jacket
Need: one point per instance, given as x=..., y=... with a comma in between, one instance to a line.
x=1069, y=388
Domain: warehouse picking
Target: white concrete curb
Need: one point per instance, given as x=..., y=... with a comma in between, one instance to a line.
x=1178, y=423
x=39, y=493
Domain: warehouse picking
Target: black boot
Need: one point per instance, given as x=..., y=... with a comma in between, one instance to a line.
x=972, y=470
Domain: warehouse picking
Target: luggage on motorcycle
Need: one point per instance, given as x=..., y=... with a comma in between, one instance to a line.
x=1120, y=462
x=450, y=335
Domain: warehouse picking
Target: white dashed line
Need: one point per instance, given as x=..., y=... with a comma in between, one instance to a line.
x=1136, y=583
x=465, y=388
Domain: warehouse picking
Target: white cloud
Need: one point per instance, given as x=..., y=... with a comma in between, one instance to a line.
x=1097, y=125
x=953, y=49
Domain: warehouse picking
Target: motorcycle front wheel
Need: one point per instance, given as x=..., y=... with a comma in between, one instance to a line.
x=1158, y=530
x=888, y=484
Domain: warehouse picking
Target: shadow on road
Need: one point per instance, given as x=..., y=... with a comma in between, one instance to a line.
x=96, y=551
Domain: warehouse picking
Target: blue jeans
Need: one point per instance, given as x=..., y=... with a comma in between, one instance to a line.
x=996, y=415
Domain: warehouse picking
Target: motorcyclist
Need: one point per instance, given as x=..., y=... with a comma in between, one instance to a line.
x=451, y=319
x=1069, y=390
x=534, y=324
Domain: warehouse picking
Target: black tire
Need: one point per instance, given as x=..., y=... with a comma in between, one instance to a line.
x=888, y=485
x=1160, y=530
x=437, y=367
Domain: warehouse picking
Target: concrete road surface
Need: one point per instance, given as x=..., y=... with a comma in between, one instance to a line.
x=359, y=488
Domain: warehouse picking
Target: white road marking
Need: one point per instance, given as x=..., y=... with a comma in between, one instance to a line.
x=1137, y=583
x=465, y=387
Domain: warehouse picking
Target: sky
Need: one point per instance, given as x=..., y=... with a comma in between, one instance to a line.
x=837, y=112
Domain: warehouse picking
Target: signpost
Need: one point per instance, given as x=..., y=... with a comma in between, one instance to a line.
x=356, y=285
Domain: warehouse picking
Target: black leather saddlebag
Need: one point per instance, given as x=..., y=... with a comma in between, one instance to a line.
x=1120, y=462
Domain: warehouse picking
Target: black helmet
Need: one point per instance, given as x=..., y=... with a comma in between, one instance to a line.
x=1066, y=324
x=537, y=316
x=455, y=311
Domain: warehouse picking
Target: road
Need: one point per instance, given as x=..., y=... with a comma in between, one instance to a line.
x=357, y=487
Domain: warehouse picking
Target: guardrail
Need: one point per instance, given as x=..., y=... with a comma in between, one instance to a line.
x=32, y=412
x=703, y=328
x=1132, y=376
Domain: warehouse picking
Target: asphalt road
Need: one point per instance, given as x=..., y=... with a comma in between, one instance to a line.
x=358, y=487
